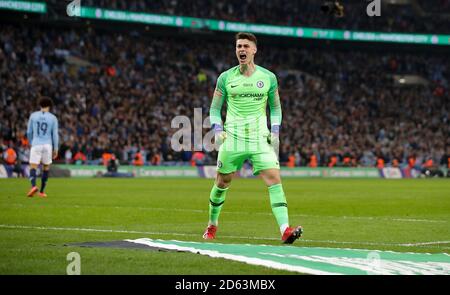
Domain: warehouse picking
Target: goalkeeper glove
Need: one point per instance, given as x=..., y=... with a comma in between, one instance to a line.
x=219, y=134
x=275, y=138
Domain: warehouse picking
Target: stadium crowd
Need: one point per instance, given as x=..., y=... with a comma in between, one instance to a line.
x=117, y=93
x=405, y=18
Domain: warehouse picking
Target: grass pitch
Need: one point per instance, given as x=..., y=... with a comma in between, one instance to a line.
x=398, y=215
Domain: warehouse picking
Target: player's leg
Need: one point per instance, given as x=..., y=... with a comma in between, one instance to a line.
x=217, y=196
x=35, y=159
x=272, y=179
x=33, y=169
x=34, y=188
x=228, y=162
x=265, y=163
x=44, y=179
x=46, y=161
x=216, y=199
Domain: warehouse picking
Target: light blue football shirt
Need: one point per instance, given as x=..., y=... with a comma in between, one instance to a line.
x=43, y=129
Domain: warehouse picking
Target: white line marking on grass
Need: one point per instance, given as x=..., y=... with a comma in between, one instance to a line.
x=162, y=209
x=119, y=231
x=428, y=244
x=251, y=213
x=373, y=218
x=417, y=220
x=88, y=230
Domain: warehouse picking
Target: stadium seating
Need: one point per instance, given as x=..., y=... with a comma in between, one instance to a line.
x=118, y=92
x=397, y=16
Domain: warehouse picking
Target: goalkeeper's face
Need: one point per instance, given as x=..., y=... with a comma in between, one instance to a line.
x=245, y=51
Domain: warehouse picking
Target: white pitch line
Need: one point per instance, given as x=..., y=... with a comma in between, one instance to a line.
x=89, y=230
x=119, y=231
x=301, y=215
x=429, y=244
x=257, y=213
x=426, y=243
x=416, y=220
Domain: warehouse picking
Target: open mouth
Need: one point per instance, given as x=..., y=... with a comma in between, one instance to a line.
x=242, y=56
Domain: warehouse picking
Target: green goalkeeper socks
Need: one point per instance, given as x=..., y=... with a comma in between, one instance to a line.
x=216, y=200
x=279, y=206
x=277, y=202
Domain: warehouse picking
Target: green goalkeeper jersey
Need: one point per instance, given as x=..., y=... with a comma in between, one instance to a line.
x=247, y=99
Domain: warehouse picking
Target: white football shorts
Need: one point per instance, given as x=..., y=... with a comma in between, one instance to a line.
x=41, y=154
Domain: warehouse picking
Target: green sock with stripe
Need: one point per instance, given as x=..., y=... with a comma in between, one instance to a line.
x=279, y=206
x=216, y=200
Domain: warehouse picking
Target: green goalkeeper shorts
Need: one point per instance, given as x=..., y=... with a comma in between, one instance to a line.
x=233, y=153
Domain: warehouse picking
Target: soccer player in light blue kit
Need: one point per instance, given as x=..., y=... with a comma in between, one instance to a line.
x=42, y=133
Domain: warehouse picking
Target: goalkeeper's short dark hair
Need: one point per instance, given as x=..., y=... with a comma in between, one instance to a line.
x=45, y=102
x=248, y=36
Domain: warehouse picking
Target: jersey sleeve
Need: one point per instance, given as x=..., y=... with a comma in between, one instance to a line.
x=55, y=136
x=217, y=101
x=30, y=130
x=274, y=102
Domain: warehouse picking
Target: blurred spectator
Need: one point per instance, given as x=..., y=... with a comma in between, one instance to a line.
x=68, y=156
x=291, y=161
x=430, y=170
x=113, y=165
x=10, y=159
x=198, y=159
x=312, y=161
x=380, y=163
x=138, y=159
x=79, y=158
x=10, y=156
x=106, y=157
x=155, y=159
x=18, y=169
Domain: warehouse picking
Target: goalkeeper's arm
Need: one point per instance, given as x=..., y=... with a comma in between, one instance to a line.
x=275, y=119
x=216, y=117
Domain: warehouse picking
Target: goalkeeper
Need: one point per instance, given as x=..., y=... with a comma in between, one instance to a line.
x=247, y=88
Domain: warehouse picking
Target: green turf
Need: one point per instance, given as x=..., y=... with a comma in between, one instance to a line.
x=362, y=214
